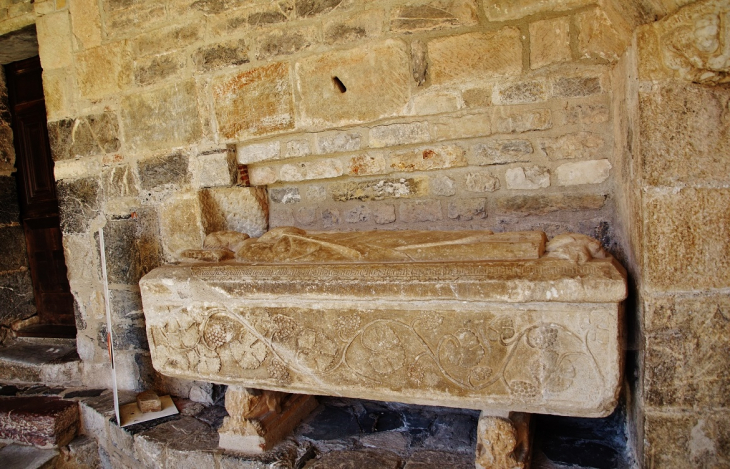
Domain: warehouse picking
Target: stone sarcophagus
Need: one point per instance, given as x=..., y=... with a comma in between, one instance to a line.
x=471, y=319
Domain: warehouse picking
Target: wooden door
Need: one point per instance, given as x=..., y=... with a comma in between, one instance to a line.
x=37, y=193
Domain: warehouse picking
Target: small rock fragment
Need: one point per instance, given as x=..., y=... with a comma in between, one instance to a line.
x=149, y=401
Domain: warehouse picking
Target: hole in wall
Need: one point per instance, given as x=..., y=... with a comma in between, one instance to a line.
x=339, y=85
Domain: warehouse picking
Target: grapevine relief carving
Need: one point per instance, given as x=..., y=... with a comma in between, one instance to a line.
x=526, y=362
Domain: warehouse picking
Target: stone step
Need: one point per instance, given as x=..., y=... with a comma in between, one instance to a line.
x=27, y=457
x=35, y=360
x=42, y=421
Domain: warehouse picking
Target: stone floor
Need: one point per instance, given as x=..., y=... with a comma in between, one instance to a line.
x=340, y=433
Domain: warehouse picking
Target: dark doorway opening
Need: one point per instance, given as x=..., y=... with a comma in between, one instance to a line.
x=38, y=202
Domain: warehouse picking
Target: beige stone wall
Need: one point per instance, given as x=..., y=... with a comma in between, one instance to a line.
x=681, y=139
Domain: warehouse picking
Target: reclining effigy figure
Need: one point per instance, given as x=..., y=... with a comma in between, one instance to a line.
x=506, y=323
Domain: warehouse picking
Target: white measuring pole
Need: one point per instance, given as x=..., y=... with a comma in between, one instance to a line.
x=110, y=343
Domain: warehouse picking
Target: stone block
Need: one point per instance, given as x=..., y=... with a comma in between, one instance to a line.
x=168, y=170
x=507, y=121
x=149, y=401
x=257, y=152
x=166, y=39
x=330, y=217
x=581, y=145
x=285, y=195
x=695, y=118
x=262, y=175
x=687, y=237
x=471, y=125
x=101, y=71
x=520, y=93
x=181, y=224
x=467, y=209
x=477, y=97
x=305, y=216
x=338, y=142
x=285, y=41
x=365, y=25
x=686, y=439
x=132, y=248
x=140, y=16
x=399, y=134
x=148, y=70
x=298, y=147
x=54, y=40
x=318, y=169
x=307, y=8
x=428, y=159
x=79, y=201
x=597, y=36
x=146, y=117
x=549, y=42
x=649, y=54
x=378, y=189
x=9, y=208
x=125, y=305
x=383, y=214
x=438, y=102
x=420, y=211
x=503, y=10
x=223, y=54
x=217, y=168
x=58, y=92
x=587, y=114
x=367, y=164
x=481, y=181
x=90, y=135
x=475, y=56
x=16, y=296
x=85, y=23
x=242, y=209
x=363, y=459
x=82, y=260
x=576, y=87
x=583, y=172
x=443, y=186
x=695, y=329
x=41, y=421
x=547, y=203
x=372, y=82
x=358, y=214
x=119, y=181
x=527, y=177
x=432, y=15
x=502, y=151
x=254, y=102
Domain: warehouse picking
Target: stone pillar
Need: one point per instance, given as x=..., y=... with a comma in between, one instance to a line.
x=257, y=420
x=503, y=442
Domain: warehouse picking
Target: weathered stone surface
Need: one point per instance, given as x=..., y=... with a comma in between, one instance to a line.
x=286, y=195
x=16, y=296
x=299, y=147
x=473, y=125
x=502, y=151
x=697, y=439
x=378, y=189
x=430, y=459
x=181, y=223
x=368, y=24
x=79, y=202
x=475, y=56
x=262, y=175
x=547, y=203
x=695, y=117
x=223, y=54
x=374, y=79
x=506, y=121
x=54, y=40
x=420, y=211
x=256, y=152
x=687, y=236
x=319, y=169
x=9, y=208
x=521, y=92
x=119, y=181
x=428, y=159
x=39, y=421
x=306, y=8
x=433, y=15
x=481, y=181
x=527, y=177
x=467, y=209
x=338, y=142
x=146, y=117
x=125, y=305
x=477, y=97
x=597, y=36
x=384, y=214
x=94, y=134
x=549, y=42
x=582, y=145
x=254, y=102
x=230, y=240
x=210, y=328
x=583, y=172
x=149, y=70
x=101, y=70
x=419, y=61
x=285, y=41
x=217, y=168
x=149, y=401
x=12, y=248
x=164, y=170
x=367, y=164
x=364, y=459
x=694, y=328
x=501, y=10
x=165, y=39
x=132, y=248
x=399, y=134
x=438, y=102
x=242, y=209
x=442, y=186
x=503, y=443
x=86, y=24
x=575, y=87
x=587, y=114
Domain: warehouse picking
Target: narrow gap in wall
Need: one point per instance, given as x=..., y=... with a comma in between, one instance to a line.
x=339, y=85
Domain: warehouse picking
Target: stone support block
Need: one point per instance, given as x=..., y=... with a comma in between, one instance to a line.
x=475, y=56
x=503, y=442
x=58, y=92
x=549, y=42
x=285, y=41
x=583, y=172
x=254, y=102
x=353, y=86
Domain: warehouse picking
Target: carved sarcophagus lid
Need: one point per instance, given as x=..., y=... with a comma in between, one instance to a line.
x=499, y=322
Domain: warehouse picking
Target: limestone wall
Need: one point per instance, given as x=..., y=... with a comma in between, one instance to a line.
x=681, y=143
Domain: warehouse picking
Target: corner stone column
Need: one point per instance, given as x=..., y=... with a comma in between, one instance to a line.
x=257, y=420
x=503, y=442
